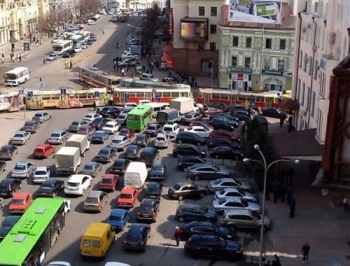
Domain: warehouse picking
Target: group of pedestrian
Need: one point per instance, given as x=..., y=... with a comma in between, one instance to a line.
x=277, y=262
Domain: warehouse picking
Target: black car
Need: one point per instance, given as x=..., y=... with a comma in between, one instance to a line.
x=212, y=143
x=105, y=155
x=153, y=129
x=50, y=188
x=68, y=53
x=243, y=115
x=188, y=150
x=188, y=212
x=226, y=152
x=220, y=106
x=228, y=115
x=91, y=169
x=119, y=166
x=132, y=152
x=149, y=155
x=137, y=237
x=99, y=122
x=148, y=210
x=183, y=190
x=3, y=166
x=275, y=113
x=220, y=124
x=93, y=37
x=142, y=140
x=190, y=138
x=213, y=247
x=31, y=126
x=9, y=186
x=204, y=228
x=109, y=111
x=154, y=190
x=90, y=42
x=186, y=161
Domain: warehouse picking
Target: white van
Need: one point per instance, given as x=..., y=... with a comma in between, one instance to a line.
x=16, y=76
x=135, y=175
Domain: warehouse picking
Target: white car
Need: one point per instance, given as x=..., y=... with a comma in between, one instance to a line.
x=171, y=129
x=199, y=130
x=91, y=117
x=111, y=127
x=130, y=105
x=20, y=138
x=84, y=45
x=91, y=22
x=51, y=57
x=60, y=263
x=41, y=174
x=120, y=142
x=77, y=48
x=161, y=140
x=77, y=184
x=121, y=119
x=149, y=77
x=130, y=55
x=235, y=203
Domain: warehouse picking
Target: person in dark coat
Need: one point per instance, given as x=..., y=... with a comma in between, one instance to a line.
x=305, y=249
x=177, y=235
x=292, y=208
x=276, y=261
x=281, y=122
x=290, y=123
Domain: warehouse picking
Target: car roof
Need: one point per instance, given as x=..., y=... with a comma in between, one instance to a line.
x=108, y=176
x=58, y=131
x=94, y=193
x=41, y=168
x=21, y=132
x=170, y=124
x=231, y=199
x=190, y=205
x=184, y=183
x=158, y=164
x=7, y=181
x=185, y=145
x=21, y=195
x=40, y=112
x=93, y=114
x=128, y=189
x=239, y=211
x=161, y=134
x=42, y=145
x=119, y=137
x=100, y=131
x=76, y=177
x=149, y=149
x=22, y=163
x=118, y=212
x=50, y=181
x=111, y=122
x=91, y=163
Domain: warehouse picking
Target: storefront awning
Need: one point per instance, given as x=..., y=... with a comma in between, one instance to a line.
x=300, y=145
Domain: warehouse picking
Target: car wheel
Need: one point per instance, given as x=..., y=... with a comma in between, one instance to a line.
x=181, y=219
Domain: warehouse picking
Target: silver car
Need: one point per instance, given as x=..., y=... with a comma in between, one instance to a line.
x=42, y=116
x=228, y=182
x=235, y=192
x=58, y=137
x=225, y=204
x=20, y=138
x=120, y=142
x=76, y=124
x=161, y=140
x=41, y=174
x=23, y=170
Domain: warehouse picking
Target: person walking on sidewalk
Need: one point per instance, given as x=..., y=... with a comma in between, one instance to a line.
x=70, y=64
x=44, y=61
x=276, y=261
x=123, y=72
x=20, y=58
x=281, y=121
x=177, y=235
x=305, y=249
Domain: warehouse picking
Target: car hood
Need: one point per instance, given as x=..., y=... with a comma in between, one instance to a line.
x=146, y=211
x=17, y=206
x=254, y=207
x=157, y=173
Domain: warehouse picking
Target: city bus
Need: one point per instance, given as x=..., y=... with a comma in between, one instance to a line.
x=76, y=39
x=85, y=34
x=98, y=78
x=16, y=76
x=33, y=236
x=139, y=117
x=60, y=47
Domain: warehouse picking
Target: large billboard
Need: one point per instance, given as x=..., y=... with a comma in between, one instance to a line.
x=259, y=11
x=193, y=30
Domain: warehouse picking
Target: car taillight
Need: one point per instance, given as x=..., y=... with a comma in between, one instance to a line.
x=154, y=214
x=125, y=241
x=138, y=214
x=142, y=243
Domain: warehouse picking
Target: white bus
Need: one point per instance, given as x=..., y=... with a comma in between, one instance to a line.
x=60, y=47
x=16, y=76
x=85, y=34
x=76, y=39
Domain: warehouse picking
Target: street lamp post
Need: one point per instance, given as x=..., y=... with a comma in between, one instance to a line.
x=266, y=168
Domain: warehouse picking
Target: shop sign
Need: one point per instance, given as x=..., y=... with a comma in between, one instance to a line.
x=240, y=70
x=272, y=72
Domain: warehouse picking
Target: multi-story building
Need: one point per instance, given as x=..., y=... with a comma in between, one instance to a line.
x=196, y=35
x=322, y=40
x=64, y=6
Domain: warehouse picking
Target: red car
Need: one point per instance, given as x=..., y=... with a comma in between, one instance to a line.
x=223, y=134
x=127, y=132
x=209, y=111
x=128, y=197
x=86, y=130
x=20, y=202
x=43, y=151
x=109, y=182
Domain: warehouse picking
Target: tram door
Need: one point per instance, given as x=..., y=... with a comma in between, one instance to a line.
x=206, y=98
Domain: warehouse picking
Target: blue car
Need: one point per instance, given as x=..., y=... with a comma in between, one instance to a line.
x=100, y=136
x=118, y=219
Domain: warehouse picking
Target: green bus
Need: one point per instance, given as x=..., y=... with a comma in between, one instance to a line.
x=139, y=117
x=32, y=237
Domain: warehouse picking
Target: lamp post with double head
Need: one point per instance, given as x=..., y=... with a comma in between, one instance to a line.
x=266, y=169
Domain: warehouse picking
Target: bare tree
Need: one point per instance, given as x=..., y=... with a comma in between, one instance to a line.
x=89, y=7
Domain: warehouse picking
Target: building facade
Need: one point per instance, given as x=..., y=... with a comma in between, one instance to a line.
x=63, y=6
x=322, y=40
x=195, y=36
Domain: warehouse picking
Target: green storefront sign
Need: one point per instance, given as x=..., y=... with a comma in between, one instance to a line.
x=240, y=70
x=272, y=72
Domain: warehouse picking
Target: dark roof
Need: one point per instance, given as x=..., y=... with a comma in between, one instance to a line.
x=297, y=144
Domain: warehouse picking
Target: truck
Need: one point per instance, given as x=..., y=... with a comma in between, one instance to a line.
x=135, y=175
x=183, y=104
x=80, y=141
x=67, y=160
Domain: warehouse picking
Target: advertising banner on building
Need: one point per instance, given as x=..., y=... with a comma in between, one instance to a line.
x=171, y=21
x=258, y=11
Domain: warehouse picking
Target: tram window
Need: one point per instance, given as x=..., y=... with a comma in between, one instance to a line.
x=115, y=82
x=224, y=96
x=45, y=98
x=242, y=98
x=216, y=96
x=183, y=94
x=133, y=117
x=166, y=94
x=55, y=97
x=132, y=94
x=140, y=94
x=174, y=94
x=83, y=95
x=260, y=99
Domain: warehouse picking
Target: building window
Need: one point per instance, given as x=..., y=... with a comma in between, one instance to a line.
x=213, y=29
x=205, y=66
x=298, y=89
x=308, y=100
x=213, y=11
x=313, y=104
x=303, y=94
x=267, y=63
x=247, y=62
x=310, y=65
x=212, y=46
x=319, y=123
x=201, y=11
x=235, y=41
x=306, y=60
x=301, y=59
x=283, y=44
x=248, y=42
x=268, y=43
x=316, y=70
x=281, y=64
x=234, y=61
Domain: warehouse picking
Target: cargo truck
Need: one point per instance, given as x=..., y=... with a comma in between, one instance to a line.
x=135, y=175
x=67, y=160
x=183, y=104
x=79, y=141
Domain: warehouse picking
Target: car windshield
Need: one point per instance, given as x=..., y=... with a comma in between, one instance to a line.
x=103, y=152
x=147, y=203
x=157, y=167
x=18, y=201
x=75, y=123
x=20, y=167
x=115, y=218
x=47, y=186
x=140, y=138
x=55, y=135
x=19, y=135
x=28, y=124
x=126, y=196
x=73, y=184
x=217, y=181
x=109, y=126
x=40, y=172
x=91, y=200
x=160, y=138
x=116, y=141
x=151, y=128
x=89, y=167
x=167, y=129
x=107, y=181
x=118, y=164
x=38, y=115
x=188, y=116
x=98, y=134
x=176, y=186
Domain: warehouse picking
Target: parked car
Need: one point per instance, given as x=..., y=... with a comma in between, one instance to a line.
x=105, y=155
x=76, y=124
x=226, y=152
x=243, y=115
x=41, y=174
x=127, y=132
x=215, y=142
x=149, y=155
x=206, y=171
x=204, y=228
x=197, y=247
x=274, y=113
x=58, y=137
x=202, y=123
x=51, y=57
x=42, y=116
x=223, y=204
x=95, y=201
x=142, y=140
x=227, y=182
x=111, y=127
x=130, y=62
x=187, y=161
x=7, y=152
x=77, y=184
x=220, y=106
x=118, y=218
x=154, y=190
x=84, y=45
x=3, y=166
x=120, y=142
x=99, y=123
x=91, y=169
x=109, y=182
x=86, y=130
x=9, y=186
x=128, y=197
x=100, y=136
x=7, y=224
x=199, y=130
x=132, y=152
x=188, y=212
x=121, y=119
x=20, y=138
x=20, y=202
x=190, y=138
x=192, y=116
x=161, y=140
x=91, y=22
x=222, y=114
x=235, y=192
x=50, y=188
x=68, y=53
x=183, y=190
x=43, y=151
x=153, y=129
x=91, y=117
x=148, y=76
x=188, y=150
x=23, y=169
x=148, y=210
x=109, y=112
x=224, y=123
x=171, y=130
x=119, y=166
x=158, y=171
x=31, y=126
x=209, y=111
x=222, y=134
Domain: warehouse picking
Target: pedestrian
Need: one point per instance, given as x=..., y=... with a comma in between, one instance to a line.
x=20, y=58
x=95, y=106
x=103, y=32
x=268, y=263
x=177, y=235
x=290, y=123
x=305, y=249
x=117, y=45
x=292, y=208
x=276, y=261
x=289, y=195
x=114, y=63
x=44, y=61
x=97, y=110
x=34, y=39
x=3, y=60
x=281, y=122
x=70, y=64
x=123, y=72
